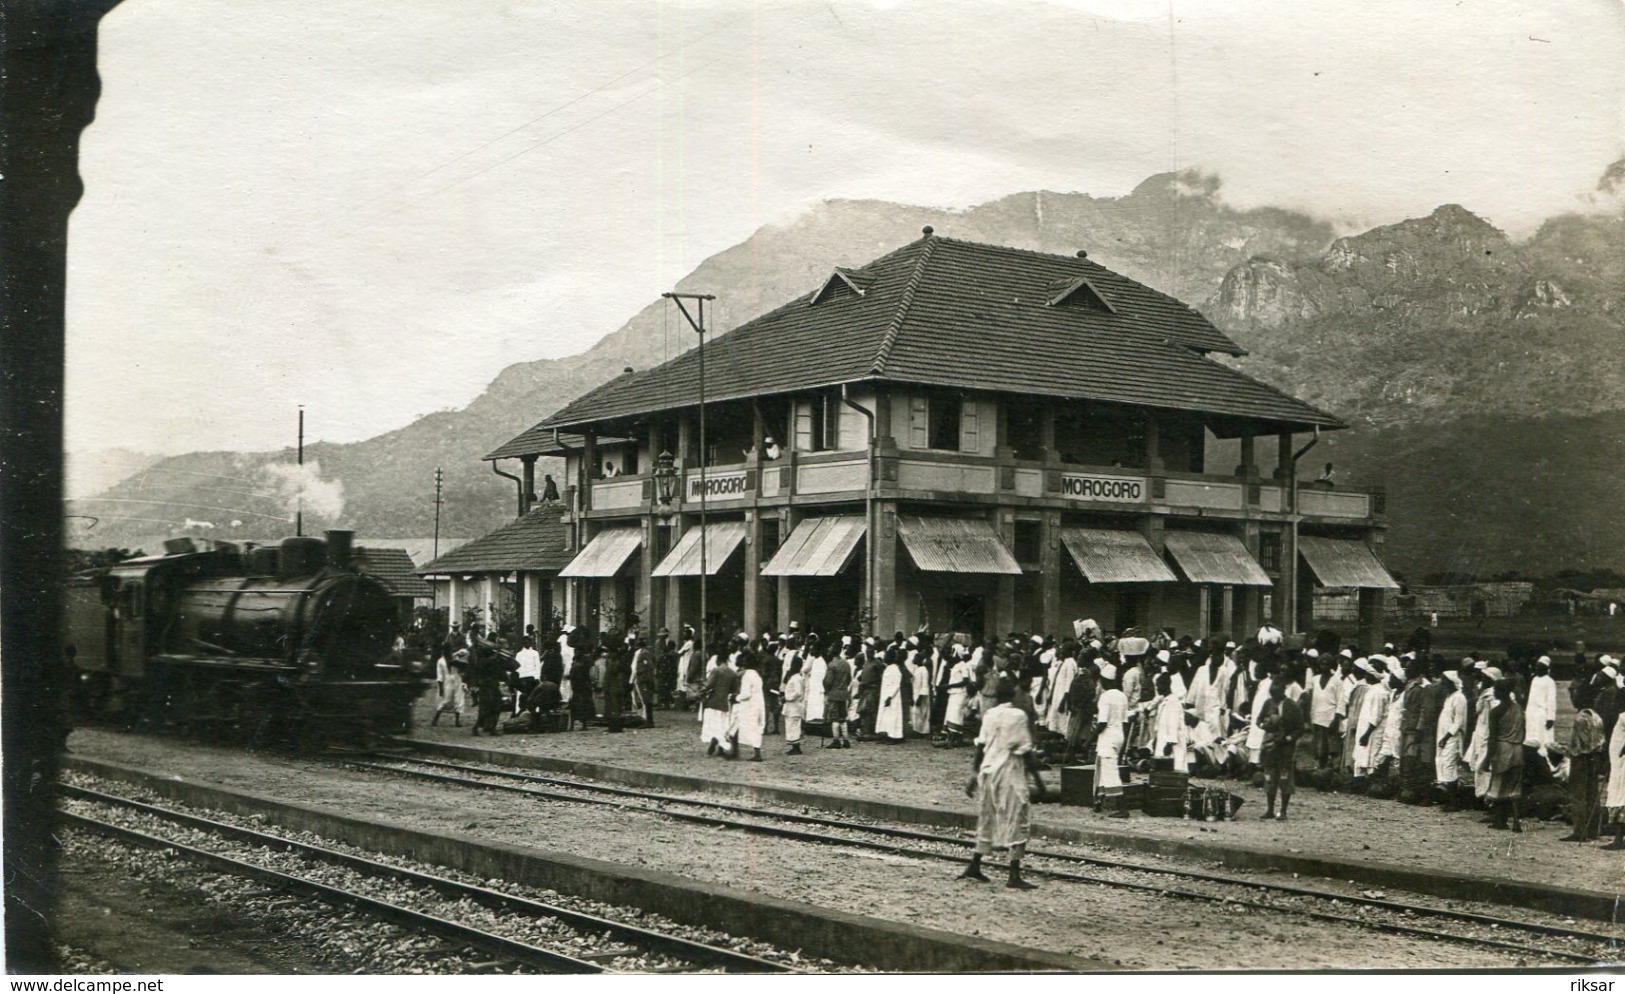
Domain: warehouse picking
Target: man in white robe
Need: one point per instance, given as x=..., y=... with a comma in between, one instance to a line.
x=1540, y=716
x=889, y=721
x=1061, y=677
x=816, y=666
x=1452, y=729
x=1369, y=723
x=749, y=715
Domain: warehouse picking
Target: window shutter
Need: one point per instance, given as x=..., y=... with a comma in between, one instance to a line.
x=970, y=435
x=832, y=422
x=804, y=442
x=919, y=423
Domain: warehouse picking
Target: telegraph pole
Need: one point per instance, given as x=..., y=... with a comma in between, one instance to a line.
x=439, y=477
x=434, y=592
x=299, y=515
x=699, y=328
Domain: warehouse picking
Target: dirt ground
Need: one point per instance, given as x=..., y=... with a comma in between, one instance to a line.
x=1146, y=932
x=1322, y=824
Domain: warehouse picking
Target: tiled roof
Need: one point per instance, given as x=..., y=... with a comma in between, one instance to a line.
x=944, y=312
x=538, y=441
x=394, y=567
x=533, y=543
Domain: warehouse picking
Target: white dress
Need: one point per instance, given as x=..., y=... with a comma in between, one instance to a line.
x=450, y=685
x=1171, y=730
x=1452, y=722
x=815, y=688
x=1542, y=709
x=1616, y=769
x=890, y=720
x=1368, y=724
x=749, y=710
x=1064, y=673
x=958, y=696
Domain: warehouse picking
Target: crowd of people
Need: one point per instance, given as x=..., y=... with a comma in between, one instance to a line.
x=1407, y=724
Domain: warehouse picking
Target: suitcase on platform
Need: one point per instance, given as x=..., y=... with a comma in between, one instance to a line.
x=1078, y=783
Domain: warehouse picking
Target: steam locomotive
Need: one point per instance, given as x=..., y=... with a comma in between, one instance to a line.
x=276, y=645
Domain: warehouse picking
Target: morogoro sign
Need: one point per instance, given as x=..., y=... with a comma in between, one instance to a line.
x=718, y=486
x=1125, y=490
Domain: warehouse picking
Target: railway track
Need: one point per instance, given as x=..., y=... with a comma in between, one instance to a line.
x=409, y=898
x=1564, y=944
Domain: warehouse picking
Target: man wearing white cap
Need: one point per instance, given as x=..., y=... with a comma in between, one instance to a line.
x=1368, y=721
x=1110, y=714
x=1540, y=717
x=1478, y=745
x=1451, y=729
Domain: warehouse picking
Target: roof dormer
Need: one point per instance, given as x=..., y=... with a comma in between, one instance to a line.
x=1078, y=292
x=841, y=283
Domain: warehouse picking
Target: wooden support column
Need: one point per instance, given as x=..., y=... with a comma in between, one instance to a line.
x=1049, y=575
x=1227, y=614
x=488, y=600
x=454, y=608
x=1004, y=607
x=589, y=466
x=1153, y=442
x=1152, y=526
x=790, y=598
x=643, y=600
x=1249, y=617
x=885, y=560
x=1286, y=586
x=755, y=586
x=527, y=477
x=1046, y=437
x=1248, y=469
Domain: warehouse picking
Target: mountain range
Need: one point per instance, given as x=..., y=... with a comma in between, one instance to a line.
x=1484, y=379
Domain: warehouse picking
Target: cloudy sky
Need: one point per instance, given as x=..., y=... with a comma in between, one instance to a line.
x=371, y=209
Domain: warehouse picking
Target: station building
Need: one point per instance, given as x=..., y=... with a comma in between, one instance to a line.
x=969, y=437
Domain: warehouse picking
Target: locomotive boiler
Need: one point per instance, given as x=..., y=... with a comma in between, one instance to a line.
x=283, y=644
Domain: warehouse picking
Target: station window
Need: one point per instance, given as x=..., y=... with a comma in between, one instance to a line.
x=946, y=410
x=1029, y=544
x=1269, y=552
x=818, y=423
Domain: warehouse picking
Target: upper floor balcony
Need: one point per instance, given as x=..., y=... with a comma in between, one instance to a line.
x=941, y=477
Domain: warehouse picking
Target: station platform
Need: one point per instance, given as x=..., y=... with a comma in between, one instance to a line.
x=1351, y=839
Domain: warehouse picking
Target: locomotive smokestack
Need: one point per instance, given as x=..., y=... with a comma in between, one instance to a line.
x=340, y=542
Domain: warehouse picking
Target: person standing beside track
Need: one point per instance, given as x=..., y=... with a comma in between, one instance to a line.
x=837, y=696
x=1111, y=713
x=1504, y=760
x=716, y=699
x=750, y=707
x=1282, y=724
x=795, y=704
x=1004, y=756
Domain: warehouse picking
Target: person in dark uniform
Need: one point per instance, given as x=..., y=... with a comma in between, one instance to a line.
x=582, y=709
x=489, y=673
x=665, y=651
x=1282, y=722
x=643, y=675
x=617, y=680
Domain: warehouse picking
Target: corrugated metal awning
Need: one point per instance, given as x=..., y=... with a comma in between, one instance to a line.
x=818, y=547
x=955, y=545
x=1115, y=555
x=1344, y=562
x=606, y=553
x=1211, y=557
x=721, y=539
